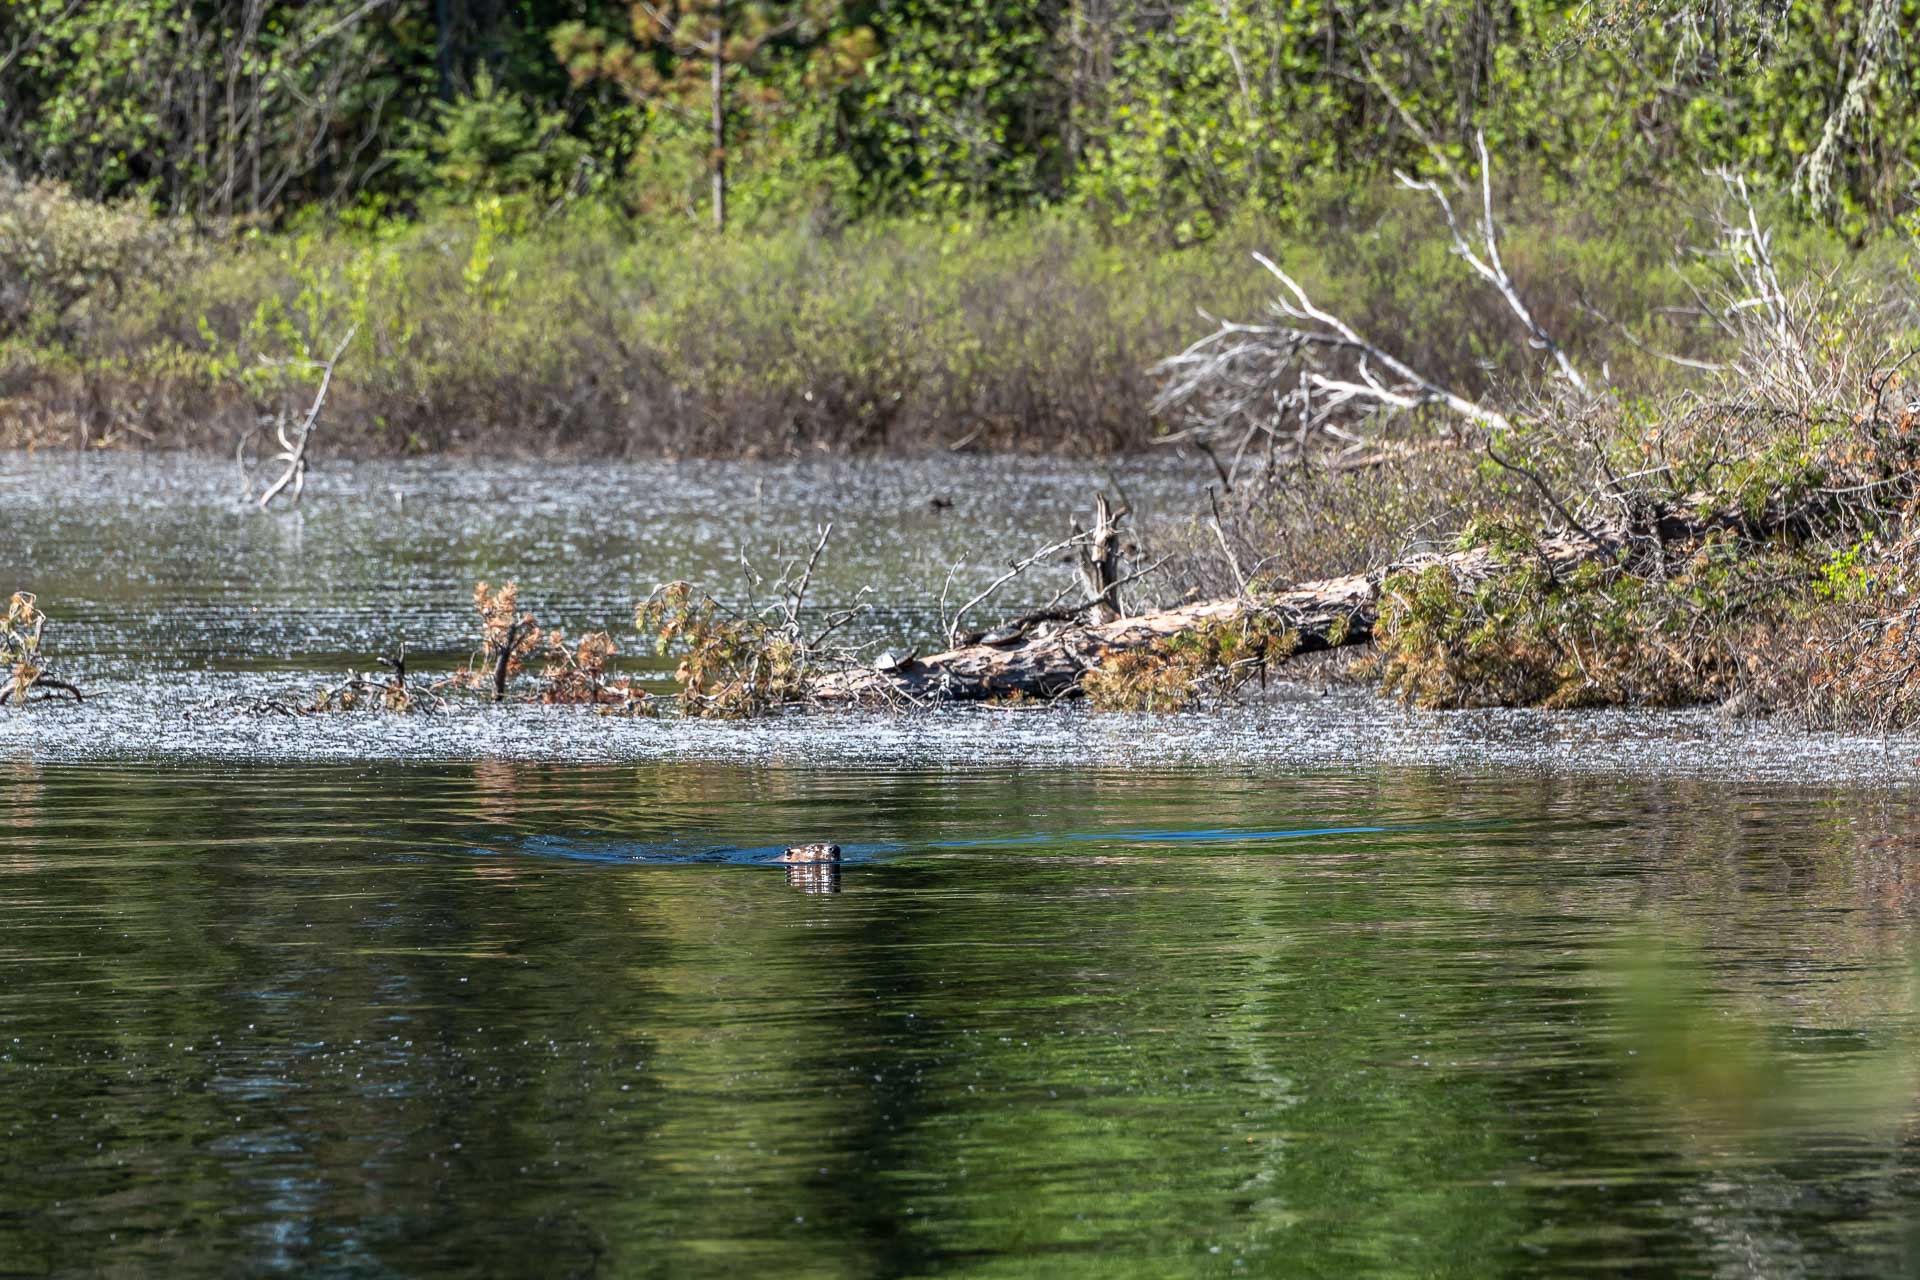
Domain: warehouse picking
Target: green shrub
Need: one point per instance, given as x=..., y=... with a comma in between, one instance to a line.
x=60, y=254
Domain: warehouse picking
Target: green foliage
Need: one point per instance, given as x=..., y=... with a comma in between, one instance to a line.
x=509, y=324
x=1179, y=120
x=1233, y=104
x=1212, y=660
x=486, y=284
x=961, y=108
x=493, y=142
x=58, y=253
x=731, y=667
x=1597, y=636
x=1783, y=600
x=1844, y=576
x=1193, y=125
x=490, y=326
x=721, y=66
x=217, y=109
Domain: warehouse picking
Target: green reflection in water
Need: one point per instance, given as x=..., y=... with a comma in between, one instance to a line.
x=504, y=1019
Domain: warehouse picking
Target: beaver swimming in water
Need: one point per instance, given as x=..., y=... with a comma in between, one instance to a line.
x=811, y=853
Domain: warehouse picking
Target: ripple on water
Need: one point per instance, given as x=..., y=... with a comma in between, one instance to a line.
x=1355, y=731
x=461, y=1017
x=153, y=563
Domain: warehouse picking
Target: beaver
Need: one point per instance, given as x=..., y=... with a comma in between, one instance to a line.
x=811, y=853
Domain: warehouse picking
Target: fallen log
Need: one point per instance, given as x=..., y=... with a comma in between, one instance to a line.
x=1319, y=616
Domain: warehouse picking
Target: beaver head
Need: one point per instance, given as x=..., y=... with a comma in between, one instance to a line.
x=811, y=853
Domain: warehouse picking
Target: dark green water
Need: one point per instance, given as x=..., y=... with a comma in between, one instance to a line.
x=552, y=1019
x=1312, y=988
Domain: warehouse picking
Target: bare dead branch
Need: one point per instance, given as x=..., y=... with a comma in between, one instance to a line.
x=1260, y=375
x=1220, y=535
x=1566, y=517
x=1310, y=368
x=1014, y=570
x=1097, y=558
x=1771, y=324
x=294, y=452
x=1490, y=268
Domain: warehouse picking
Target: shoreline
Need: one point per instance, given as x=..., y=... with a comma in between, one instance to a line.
x=1342, y=732
x=24, y=440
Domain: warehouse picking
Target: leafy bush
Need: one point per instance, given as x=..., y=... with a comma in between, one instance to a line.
x=731, y=667
x=1181, y=670
x=58, y=253
x=23, y=664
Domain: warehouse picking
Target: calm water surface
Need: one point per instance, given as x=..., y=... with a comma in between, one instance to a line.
x=158, y=563
x=1315, y=989
x=519, y=1018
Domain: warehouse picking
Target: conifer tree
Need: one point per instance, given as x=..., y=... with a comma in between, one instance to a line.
x=682, y=55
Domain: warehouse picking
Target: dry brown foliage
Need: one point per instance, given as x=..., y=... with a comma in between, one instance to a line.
x=21, y=658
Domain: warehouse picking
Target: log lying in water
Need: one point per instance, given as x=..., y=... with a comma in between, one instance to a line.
x=1325, y=615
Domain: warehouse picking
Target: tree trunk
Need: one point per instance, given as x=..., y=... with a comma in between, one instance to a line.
x=1051, y=666
x=1099, y=561
x=718, y=126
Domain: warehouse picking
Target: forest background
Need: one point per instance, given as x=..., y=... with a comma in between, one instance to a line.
x=945, y=221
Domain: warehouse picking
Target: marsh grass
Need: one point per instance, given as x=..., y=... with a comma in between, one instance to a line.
x=504, y=329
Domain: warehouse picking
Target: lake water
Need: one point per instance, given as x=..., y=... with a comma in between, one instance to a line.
x=158, y=564
x=1313, y=988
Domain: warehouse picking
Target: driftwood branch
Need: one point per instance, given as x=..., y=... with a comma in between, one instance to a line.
x=1098, y=553
x=503, y=661
x=1097, y=559
x=1310, y=366
x=293, y=452
x=1226, y=548
x=1017, y=628
x=40, y=681
x=1567, y=517
x=791, y=597
x=1308, y=370
x=1014, y=570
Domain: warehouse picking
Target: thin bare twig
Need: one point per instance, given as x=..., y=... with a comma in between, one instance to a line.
x=1014, y=570
x=1220, y=535
x=1566, y=516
